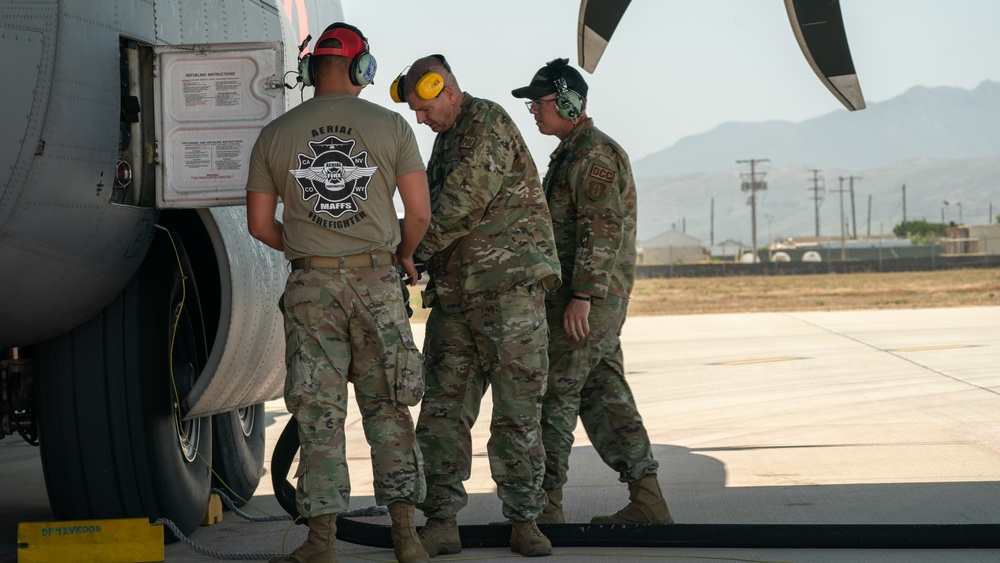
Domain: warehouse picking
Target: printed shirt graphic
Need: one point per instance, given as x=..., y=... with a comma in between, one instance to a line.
x=333, y=176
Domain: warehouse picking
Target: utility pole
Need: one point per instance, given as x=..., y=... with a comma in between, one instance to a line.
x=769, y=218
x=869, y=215
x=904, y=205
x=750, y=184
x=843, y=247
x=816, y=197
x=854, y=217
x=711, y=224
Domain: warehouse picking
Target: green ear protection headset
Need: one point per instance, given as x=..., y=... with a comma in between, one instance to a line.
x=569, y=103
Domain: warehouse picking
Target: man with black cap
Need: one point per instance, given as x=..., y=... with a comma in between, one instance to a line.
x=335, y=162
x=592, y=202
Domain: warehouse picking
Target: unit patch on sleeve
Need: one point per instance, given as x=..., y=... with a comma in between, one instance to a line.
x=468, y=142
x=597, y=191
x=602, y=173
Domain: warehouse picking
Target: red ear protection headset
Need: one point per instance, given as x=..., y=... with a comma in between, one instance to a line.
x=353, y=45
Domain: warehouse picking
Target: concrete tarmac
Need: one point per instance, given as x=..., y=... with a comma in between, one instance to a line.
x=848, y=417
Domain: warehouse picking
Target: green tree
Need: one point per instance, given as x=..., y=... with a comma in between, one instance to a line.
x=920, y=232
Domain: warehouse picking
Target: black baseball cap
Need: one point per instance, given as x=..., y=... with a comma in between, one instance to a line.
x=544, y=81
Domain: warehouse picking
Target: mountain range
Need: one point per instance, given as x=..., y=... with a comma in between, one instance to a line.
x=941, y=143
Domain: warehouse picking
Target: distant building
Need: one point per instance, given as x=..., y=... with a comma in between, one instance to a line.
x=974, y=240
x=811, y=256
x=729, y=250
x=673, y=247
x=830, y=249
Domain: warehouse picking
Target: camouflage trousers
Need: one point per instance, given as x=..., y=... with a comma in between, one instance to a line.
x=345, y=326
x=501, y=345
x=588, y=378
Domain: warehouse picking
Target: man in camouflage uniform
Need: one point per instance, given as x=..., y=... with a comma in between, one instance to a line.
x=592, y=202
x=335, y=162
x=491, y=259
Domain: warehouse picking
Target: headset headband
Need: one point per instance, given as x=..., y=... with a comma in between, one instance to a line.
x=444, y=63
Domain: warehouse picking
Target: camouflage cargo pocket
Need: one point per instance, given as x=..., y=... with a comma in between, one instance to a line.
x=399, y=358
x=407, y=380
x=428, y=297
x=524, y=369
x=296, y=317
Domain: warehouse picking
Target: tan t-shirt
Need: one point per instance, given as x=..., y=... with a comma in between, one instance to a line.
x=333, y=161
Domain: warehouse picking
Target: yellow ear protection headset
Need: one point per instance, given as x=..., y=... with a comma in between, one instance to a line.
x=429, y=85
x=363, y=65
x=569, y=104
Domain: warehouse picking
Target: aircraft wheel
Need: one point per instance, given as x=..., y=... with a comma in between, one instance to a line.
x=113, y=444
x=238, y=458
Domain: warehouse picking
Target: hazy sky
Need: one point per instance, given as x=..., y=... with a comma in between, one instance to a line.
x=679, y=67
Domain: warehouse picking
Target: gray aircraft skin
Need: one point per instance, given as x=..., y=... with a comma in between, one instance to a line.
x=139, y=328
x=107, y=287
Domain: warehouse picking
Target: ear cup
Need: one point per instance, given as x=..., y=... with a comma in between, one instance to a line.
x=305, y=70
x=429, y=85
x=396, y=89
x=569, y=103
x=362, y=70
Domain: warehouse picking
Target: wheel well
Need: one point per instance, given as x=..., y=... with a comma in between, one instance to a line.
x=203, y=263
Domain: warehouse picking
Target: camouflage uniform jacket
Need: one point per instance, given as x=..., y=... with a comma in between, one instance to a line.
x=592, y=202
x=490, y=230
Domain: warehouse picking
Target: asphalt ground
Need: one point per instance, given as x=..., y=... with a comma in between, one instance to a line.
x=791, y=425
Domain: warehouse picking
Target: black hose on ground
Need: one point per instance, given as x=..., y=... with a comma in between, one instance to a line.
x=281, y=463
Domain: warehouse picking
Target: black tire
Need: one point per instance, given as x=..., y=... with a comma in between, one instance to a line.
x=238, y=458
x=112, y=445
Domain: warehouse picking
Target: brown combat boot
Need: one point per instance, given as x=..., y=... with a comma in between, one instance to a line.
x=405, y=543
x=320, y=545
x=646, y=507
x=439, y=536
x=553, y=512
x=528, y=540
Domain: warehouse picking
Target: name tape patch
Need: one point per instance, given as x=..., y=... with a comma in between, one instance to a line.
x=602, y=173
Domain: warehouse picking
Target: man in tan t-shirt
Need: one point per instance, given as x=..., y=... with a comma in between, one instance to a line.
x=334, y=162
